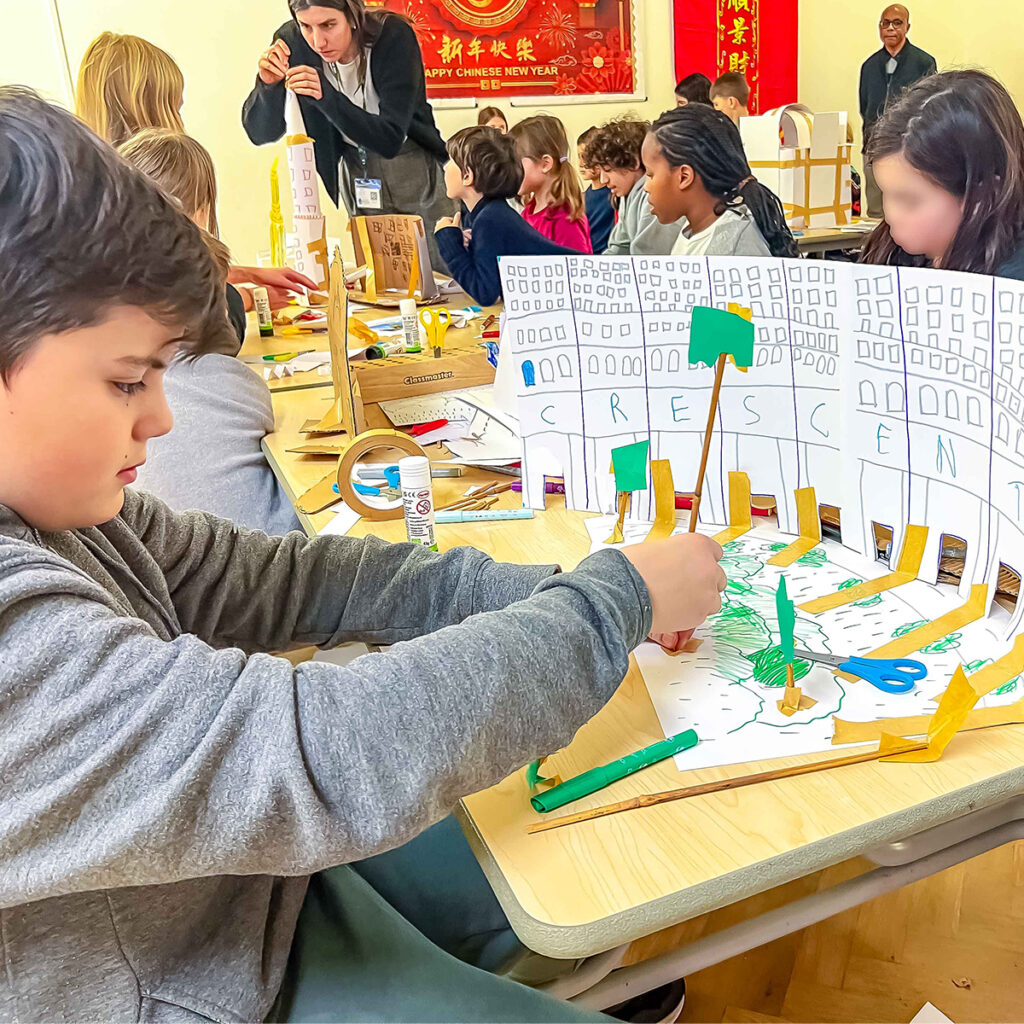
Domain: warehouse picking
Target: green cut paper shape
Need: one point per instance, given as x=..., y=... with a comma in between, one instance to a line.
x=629, y=464
x=787, y=621
x=716, y=331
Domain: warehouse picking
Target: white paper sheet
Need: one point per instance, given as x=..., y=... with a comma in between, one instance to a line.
x=898, y=394
x=727, y=690
x=344, y=519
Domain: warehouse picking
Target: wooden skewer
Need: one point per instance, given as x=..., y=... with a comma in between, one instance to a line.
x=650, y=799
x=695, y=507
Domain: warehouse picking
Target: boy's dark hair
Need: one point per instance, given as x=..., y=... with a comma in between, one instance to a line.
x=733, y=84
x=706, y=140
x=491, y=156
x=82, y=231
x=695, y=88
x=617, y=144
x=586, y=136
x=961, y=130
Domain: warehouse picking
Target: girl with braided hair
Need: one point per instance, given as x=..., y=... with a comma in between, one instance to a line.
x=696, y=169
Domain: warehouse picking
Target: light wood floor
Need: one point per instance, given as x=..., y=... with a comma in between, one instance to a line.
x=955, y=940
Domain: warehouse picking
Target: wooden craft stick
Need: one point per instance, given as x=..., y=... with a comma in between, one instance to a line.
x=651, y=799
x=695, y=507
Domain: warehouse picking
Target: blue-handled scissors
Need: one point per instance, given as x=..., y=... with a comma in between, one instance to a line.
x=890, y=676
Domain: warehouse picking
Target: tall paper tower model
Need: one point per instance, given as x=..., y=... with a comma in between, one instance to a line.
x=310, y=226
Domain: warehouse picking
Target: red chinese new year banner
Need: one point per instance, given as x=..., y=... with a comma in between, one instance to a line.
x=496, y=48
x=755, y=37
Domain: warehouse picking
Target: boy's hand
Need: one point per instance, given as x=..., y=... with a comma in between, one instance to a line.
x=273, y=64
x=448, y=222
x=672, y=642
x=304, y=81
x=684, y=579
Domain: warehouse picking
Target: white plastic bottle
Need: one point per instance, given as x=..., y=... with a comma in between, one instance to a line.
x=417, y=500
x=410, y=325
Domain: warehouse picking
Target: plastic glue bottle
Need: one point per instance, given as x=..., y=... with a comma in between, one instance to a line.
x=417, y=500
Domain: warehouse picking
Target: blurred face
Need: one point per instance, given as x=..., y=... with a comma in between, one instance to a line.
x=75, y=416
x=666, y=186
x=456, y=181
x=922, y=217
x=681, y=101
x=499, y=123
x=728, y=105
x=893, y=27
x=329, y=33
x=535, y=173
x=586, y=173
x=620, y=179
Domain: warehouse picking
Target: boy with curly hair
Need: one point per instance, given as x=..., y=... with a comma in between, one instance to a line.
x=614, y=150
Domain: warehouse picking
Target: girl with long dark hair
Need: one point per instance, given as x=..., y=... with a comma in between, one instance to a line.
x=696, y=168
x=949, y=159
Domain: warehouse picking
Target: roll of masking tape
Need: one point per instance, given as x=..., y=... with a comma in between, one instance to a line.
x=372, y=441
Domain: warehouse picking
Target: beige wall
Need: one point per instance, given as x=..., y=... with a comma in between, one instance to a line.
x=836, y=36
x=217, y=42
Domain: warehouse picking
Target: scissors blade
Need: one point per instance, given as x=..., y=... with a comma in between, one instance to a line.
x=832, y=660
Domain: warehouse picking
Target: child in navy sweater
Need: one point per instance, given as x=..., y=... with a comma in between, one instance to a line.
x=484, y=172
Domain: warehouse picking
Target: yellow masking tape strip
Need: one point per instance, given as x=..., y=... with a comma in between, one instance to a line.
x=917, y=725
x=906, y=570
x=739, y=509
x=930, y=632
x=809, y=525
x=370, y=258
x=958, y=701
x=664, y=500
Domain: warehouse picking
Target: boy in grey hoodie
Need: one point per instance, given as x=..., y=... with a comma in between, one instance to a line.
x=168, y=786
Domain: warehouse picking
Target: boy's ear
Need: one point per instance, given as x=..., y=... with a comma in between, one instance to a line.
x=468, y=178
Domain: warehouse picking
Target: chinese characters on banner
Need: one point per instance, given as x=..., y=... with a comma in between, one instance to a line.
x=501, y=48
x=754, y=37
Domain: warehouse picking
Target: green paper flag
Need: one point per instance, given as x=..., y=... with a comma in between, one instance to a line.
x=629, y=464
x=787, y=621
x=714, y=331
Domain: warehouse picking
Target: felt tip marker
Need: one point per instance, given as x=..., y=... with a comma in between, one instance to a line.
x=494, y=515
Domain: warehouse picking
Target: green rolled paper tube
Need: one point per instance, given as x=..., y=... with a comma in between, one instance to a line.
x=597, y=778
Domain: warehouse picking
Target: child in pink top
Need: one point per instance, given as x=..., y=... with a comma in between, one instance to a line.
x=551, y=190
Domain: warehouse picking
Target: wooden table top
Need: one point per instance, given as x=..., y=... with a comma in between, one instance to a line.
x=578, y=890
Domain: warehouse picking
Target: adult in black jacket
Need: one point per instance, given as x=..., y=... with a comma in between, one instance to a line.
x=361, y=87
x=883, y=76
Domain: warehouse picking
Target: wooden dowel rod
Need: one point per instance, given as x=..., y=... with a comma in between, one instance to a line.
x=651, y=799
x=695, y=507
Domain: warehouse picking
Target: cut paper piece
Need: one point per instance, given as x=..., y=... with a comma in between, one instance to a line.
x=809, y=526
x=347, y=411
x=320, y=496
x=718, y=332
x=787, y=621
x=917, y=725
x=344, y=519
x=794, y=700
x=535, y=781
x=692, y=646
x=740, y=521
x=950, y=715
x=629, y=464
x=931, y=632
x=906, y=570
x=960, y=698
x=664, y=500
x=617, y=536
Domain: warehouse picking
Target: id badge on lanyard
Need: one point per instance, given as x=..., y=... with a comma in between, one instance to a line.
x=368, y=190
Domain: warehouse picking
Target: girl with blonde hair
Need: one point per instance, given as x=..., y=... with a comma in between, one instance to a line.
x=215, y=396
x=551, y=189
x=126, y=83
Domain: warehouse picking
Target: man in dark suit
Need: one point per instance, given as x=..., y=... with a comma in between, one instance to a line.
x=883, y=76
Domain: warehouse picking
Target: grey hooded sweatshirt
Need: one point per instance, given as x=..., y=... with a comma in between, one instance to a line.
x=167, y=787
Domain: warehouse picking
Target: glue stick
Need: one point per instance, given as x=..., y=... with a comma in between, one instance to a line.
x=261, y=300
x=410, y=325
x=417, y=500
